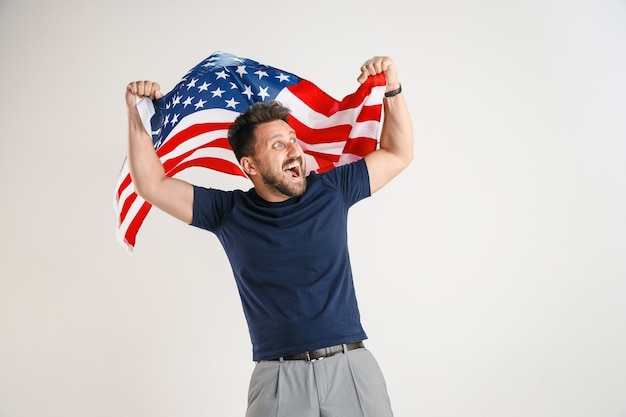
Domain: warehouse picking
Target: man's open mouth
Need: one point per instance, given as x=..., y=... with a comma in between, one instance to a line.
x=294, y=169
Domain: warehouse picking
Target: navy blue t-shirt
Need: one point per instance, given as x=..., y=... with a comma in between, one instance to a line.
x=290, y=260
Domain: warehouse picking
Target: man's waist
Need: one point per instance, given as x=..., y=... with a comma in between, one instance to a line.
x=319, y=354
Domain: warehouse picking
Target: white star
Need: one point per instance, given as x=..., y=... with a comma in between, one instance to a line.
x=187, y=101
x=199, y=104
x=192, y=83
x=175, y=119
x=247, y=92
x=233, y=86
x=241, y=70
x=204, y=86
x=232, y=103
x=218, y=92
x=261, y=74
x=221, y=74
x=167, y=120
x=176, y=100
x=282, y=77
x=263, y=93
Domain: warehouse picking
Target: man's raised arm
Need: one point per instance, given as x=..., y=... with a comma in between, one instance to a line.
x=171, y=195
x=396, y=138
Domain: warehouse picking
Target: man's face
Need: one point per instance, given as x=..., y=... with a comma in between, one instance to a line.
x=279, y=162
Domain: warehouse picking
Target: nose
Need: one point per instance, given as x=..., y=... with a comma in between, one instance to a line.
x=294, y=149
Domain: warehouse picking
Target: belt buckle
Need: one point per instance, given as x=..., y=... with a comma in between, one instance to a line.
x=311, y=360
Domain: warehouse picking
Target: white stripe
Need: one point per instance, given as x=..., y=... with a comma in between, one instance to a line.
x=145, y=107
x=336, y=148
x=311, y=164
x=219, y=153
x=376, y=96
x=204, y=116
x=193, y=143
x=314, y=120
x=327, y=148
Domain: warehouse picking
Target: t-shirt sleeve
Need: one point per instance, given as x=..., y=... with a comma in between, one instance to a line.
x=209, y=207
x=352, y=180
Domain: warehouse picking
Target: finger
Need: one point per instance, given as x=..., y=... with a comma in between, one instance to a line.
x=143, y=88
x=379, y=64
x=363, y=75
x=155, y=91
x=132, y=87
x=375, y=65
x=136, y=87
x=385, y=63
x=366, y=70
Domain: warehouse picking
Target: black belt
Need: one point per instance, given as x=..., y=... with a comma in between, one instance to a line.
x=318, y=354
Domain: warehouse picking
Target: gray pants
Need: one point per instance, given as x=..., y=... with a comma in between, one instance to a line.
x=344, y=385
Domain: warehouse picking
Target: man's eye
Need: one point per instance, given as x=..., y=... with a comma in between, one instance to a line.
x=277, y=145
x=293, y=140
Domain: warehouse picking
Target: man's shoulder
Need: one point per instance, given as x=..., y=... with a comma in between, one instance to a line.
x=351, y=171
x=216, y=195
x=358, y=165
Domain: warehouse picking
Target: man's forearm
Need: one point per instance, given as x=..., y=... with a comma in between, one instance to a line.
x=397, y=132
x=145, y=167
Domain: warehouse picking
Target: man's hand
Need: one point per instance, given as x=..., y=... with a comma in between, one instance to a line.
x=141, y=89
x=379, y=64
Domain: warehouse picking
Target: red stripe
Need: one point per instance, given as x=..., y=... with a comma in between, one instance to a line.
x=125, y=183
x=333, y=134
x=127, y=205
x=324, y=159
x=217, y=164
x=369, y=113
x=322, y=103
x=325, y=168
x=360, y=146
x=170, y=165
x=189, y=133
x=133, y=227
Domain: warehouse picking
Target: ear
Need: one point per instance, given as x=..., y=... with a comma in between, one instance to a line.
x=248, y=165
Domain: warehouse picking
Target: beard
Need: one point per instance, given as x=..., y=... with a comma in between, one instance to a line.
x=277, y=181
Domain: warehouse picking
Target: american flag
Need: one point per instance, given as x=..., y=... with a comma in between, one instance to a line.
x=189, y=124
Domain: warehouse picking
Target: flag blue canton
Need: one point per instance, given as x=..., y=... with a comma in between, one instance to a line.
x=222, y=81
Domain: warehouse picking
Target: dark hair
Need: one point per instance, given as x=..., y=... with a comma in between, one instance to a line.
x=241, y=132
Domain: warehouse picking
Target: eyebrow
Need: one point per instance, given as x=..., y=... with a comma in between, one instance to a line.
x=280, y=135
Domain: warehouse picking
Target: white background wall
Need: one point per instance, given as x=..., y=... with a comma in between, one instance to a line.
x=491, y=273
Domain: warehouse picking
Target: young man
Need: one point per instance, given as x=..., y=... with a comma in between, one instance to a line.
x=286, y=240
